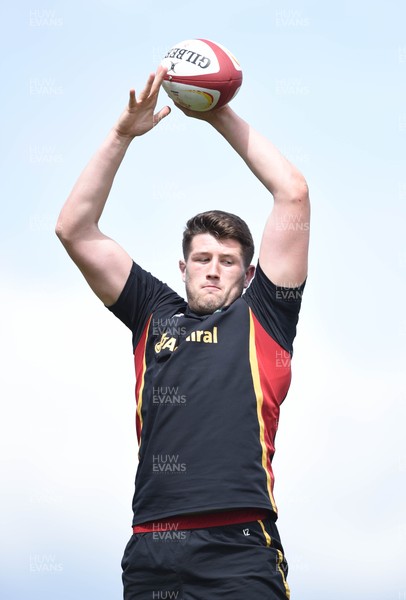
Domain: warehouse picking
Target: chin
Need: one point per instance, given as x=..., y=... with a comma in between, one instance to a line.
x=207, y=306
x=205, y=309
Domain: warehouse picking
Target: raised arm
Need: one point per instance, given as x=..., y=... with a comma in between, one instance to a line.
x=104, y=264
x=284, y=246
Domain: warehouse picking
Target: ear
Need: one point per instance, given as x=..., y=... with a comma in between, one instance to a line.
x=182, y=267
x=249, y=274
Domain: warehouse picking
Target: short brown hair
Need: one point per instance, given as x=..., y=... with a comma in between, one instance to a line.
x=221, y=225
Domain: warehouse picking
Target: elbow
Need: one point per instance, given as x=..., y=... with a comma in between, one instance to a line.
x=62, y=232
x=295, y=192
x=65, y=233
x=72, y=233
x=298, y=189
x=59, y=230
x=301, y=192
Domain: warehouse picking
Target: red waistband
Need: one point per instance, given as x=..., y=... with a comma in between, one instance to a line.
x=202, y=521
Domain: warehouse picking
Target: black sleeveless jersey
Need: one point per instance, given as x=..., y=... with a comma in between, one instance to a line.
x=208, y=392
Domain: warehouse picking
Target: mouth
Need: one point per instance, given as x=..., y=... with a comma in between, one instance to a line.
x=211, y=287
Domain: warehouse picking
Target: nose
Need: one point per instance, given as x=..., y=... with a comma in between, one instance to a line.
x=213, y=271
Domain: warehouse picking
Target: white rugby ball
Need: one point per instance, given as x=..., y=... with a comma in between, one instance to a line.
x=202, y=75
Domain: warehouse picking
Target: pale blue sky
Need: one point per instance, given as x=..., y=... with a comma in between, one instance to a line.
x=326, y=82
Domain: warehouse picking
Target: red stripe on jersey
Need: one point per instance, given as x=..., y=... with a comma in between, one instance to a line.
x=271, y=366
x=140, y=368
x=203, y=520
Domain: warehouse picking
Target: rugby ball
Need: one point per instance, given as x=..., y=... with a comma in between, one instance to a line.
x=201, y=75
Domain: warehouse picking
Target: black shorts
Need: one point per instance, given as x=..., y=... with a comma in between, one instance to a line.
x=244, y=561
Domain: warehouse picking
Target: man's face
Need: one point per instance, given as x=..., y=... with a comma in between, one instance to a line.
x=214, y=273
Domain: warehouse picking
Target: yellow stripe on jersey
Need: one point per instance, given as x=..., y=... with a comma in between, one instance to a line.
x=260, y=400
x=268, y=540
x=266, y=534
x=285, y=583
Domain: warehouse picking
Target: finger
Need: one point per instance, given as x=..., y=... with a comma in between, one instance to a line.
x=147, y=89
x=164, y=112
x=158, y=79
x=132, y=101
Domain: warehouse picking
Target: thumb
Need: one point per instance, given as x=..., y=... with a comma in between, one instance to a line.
x=164, y=112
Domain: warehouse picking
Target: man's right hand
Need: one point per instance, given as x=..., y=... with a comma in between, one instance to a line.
x=139, y=116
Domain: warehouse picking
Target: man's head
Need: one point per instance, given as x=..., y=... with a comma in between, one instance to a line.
x=222, y=226
x=217, y=249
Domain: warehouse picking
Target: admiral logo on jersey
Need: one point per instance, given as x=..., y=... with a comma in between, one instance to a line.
x=206, y=336
x=203, y=335
x=166, y=342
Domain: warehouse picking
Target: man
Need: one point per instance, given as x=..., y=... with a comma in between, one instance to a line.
x=211, y=372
